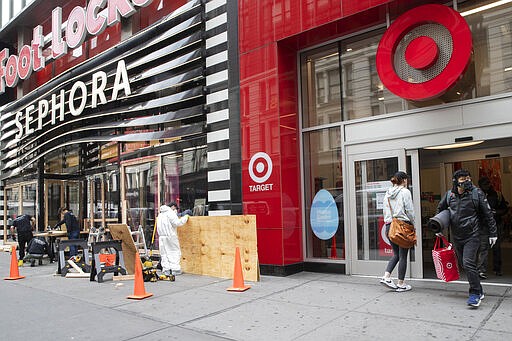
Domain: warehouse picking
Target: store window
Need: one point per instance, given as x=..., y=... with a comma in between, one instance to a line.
x=323, y=170
x=185, y=180
x=141, y=194
x=492, y=47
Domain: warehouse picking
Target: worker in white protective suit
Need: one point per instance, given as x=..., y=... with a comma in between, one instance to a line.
x=170, y=251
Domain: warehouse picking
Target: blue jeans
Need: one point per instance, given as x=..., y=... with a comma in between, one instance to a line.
x=467, y=252
x=399, y=256
x=72, y=248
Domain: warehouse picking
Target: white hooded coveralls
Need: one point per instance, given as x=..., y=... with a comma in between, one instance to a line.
x=169, y=244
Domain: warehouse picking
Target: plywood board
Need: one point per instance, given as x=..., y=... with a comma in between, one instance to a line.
x=208, y=246
x=121, y=232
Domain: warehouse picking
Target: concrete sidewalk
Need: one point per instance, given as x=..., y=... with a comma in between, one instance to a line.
x=304, y=306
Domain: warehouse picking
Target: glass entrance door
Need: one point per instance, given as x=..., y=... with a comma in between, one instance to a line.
x=369, y=175
x=60, y=193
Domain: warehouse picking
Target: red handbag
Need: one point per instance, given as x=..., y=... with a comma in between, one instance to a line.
x=445, y=260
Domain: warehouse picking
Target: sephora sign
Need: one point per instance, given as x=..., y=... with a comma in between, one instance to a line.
x=80, y=22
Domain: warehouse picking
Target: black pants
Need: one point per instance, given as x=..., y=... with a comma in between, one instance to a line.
x=23, y=239
x=467, y=252
x=399, y=256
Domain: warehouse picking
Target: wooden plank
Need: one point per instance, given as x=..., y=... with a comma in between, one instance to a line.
x=76, y=267
x=77, y=275
x=123, y=277
x=208, y=246
x=121, y=232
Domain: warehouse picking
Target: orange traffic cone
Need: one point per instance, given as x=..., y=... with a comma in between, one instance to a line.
x=238, y=276
x=15, y=274
x=139, y=292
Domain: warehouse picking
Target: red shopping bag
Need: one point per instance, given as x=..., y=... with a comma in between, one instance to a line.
x=445, y=260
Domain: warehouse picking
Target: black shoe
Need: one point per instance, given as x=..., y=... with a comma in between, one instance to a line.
x=482, y=275
x=499, y=273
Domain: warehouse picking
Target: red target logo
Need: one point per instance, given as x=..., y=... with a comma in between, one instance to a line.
x=260, y=167
x=424, y=52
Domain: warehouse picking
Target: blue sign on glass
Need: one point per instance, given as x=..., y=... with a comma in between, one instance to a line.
x=324, y=215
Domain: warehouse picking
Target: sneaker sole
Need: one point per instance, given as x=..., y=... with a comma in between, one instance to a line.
x=388, y=285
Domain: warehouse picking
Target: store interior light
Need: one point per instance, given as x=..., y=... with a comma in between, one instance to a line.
x=485, y=7
x=455, y=145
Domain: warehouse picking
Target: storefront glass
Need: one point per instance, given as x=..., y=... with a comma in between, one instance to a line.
x=372, y=181
x=323, y=170
x=185, y=180
x=141, y=194
x=29, y=199
x=12, y=205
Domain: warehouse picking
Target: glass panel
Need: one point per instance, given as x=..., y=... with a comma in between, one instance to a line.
x=372, y=181
x=54, y=202
x=321, y=86
x=185, y=180
x=364, y=94
x=29, y=199
x=141, y=190
x=13, y=205
x=492, y=48
x=112, y=196
x=322, y=166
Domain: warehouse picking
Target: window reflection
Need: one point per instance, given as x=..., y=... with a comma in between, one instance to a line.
x=322, y=167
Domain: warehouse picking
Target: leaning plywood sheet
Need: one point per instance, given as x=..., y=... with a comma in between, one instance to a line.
x=208, y=246
x=121, y=232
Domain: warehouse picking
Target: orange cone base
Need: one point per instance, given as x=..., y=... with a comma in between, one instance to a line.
x=240, y=289
x=140, y=297
x=13, y=278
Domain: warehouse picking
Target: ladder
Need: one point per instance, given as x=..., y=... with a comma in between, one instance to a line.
x=140, y=241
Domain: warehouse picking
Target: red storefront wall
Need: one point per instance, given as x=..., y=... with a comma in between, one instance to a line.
x=270, y=34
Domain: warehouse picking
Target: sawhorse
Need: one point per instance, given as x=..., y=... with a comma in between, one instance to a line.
x=63, y=266
x=97, y=269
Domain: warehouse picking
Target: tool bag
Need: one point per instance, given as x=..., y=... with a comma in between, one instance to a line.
x=445, y=260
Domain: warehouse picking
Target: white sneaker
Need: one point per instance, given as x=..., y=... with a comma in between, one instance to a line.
x=403, y=288
x=388, y=282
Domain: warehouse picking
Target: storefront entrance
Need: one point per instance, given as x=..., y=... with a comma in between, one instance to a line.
x=492, y=159
x=369, y=175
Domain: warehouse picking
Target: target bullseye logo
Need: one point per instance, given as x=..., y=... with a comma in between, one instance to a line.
x=260, y=167
x=449, y=265
x=424, y=52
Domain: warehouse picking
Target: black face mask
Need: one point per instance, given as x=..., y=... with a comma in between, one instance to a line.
x=466, y=185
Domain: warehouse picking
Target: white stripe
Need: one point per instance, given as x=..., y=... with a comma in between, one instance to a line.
x=218, y=155
x=218, y=175
x=216, y=40
x=217, y=77
x=221, y=195
x=219, y=135
x=217, y=58
x=219, y=213
x=217, y=116
x=218, y=96
x=217, y=21
x=210, y=6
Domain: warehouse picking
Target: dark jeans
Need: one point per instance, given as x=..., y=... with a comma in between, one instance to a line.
x=467, y=252
x=72, y=248
x=23, y=239
x=399, y=256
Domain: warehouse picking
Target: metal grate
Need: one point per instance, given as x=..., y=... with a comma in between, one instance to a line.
x=444, y=41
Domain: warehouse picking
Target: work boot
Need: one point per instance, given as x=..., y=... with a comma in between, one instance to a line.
x=20, y=262
x=169, y=278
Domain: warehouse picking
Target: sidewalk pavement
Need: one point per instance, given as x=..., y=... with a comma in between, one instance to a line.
x=304, y=306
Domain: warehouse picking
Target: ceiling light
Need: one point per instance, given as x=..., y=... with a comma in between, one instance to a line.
x=508, y=69
x=485, y=7
x=455, y=145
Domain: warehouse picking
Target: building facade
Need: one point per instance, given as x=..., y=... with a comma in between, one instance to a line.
x=296, y=111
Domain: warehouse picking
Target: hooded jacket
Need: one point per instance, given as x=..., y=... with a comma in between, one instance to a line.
x=400, y=199
x=465, y=217
x=168, y=222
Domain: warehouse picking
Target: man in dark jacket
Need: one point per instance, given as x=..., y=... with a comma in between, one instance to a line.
x=499, y=207
x=23, y=225
x=467, y=205
x=73, y=229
